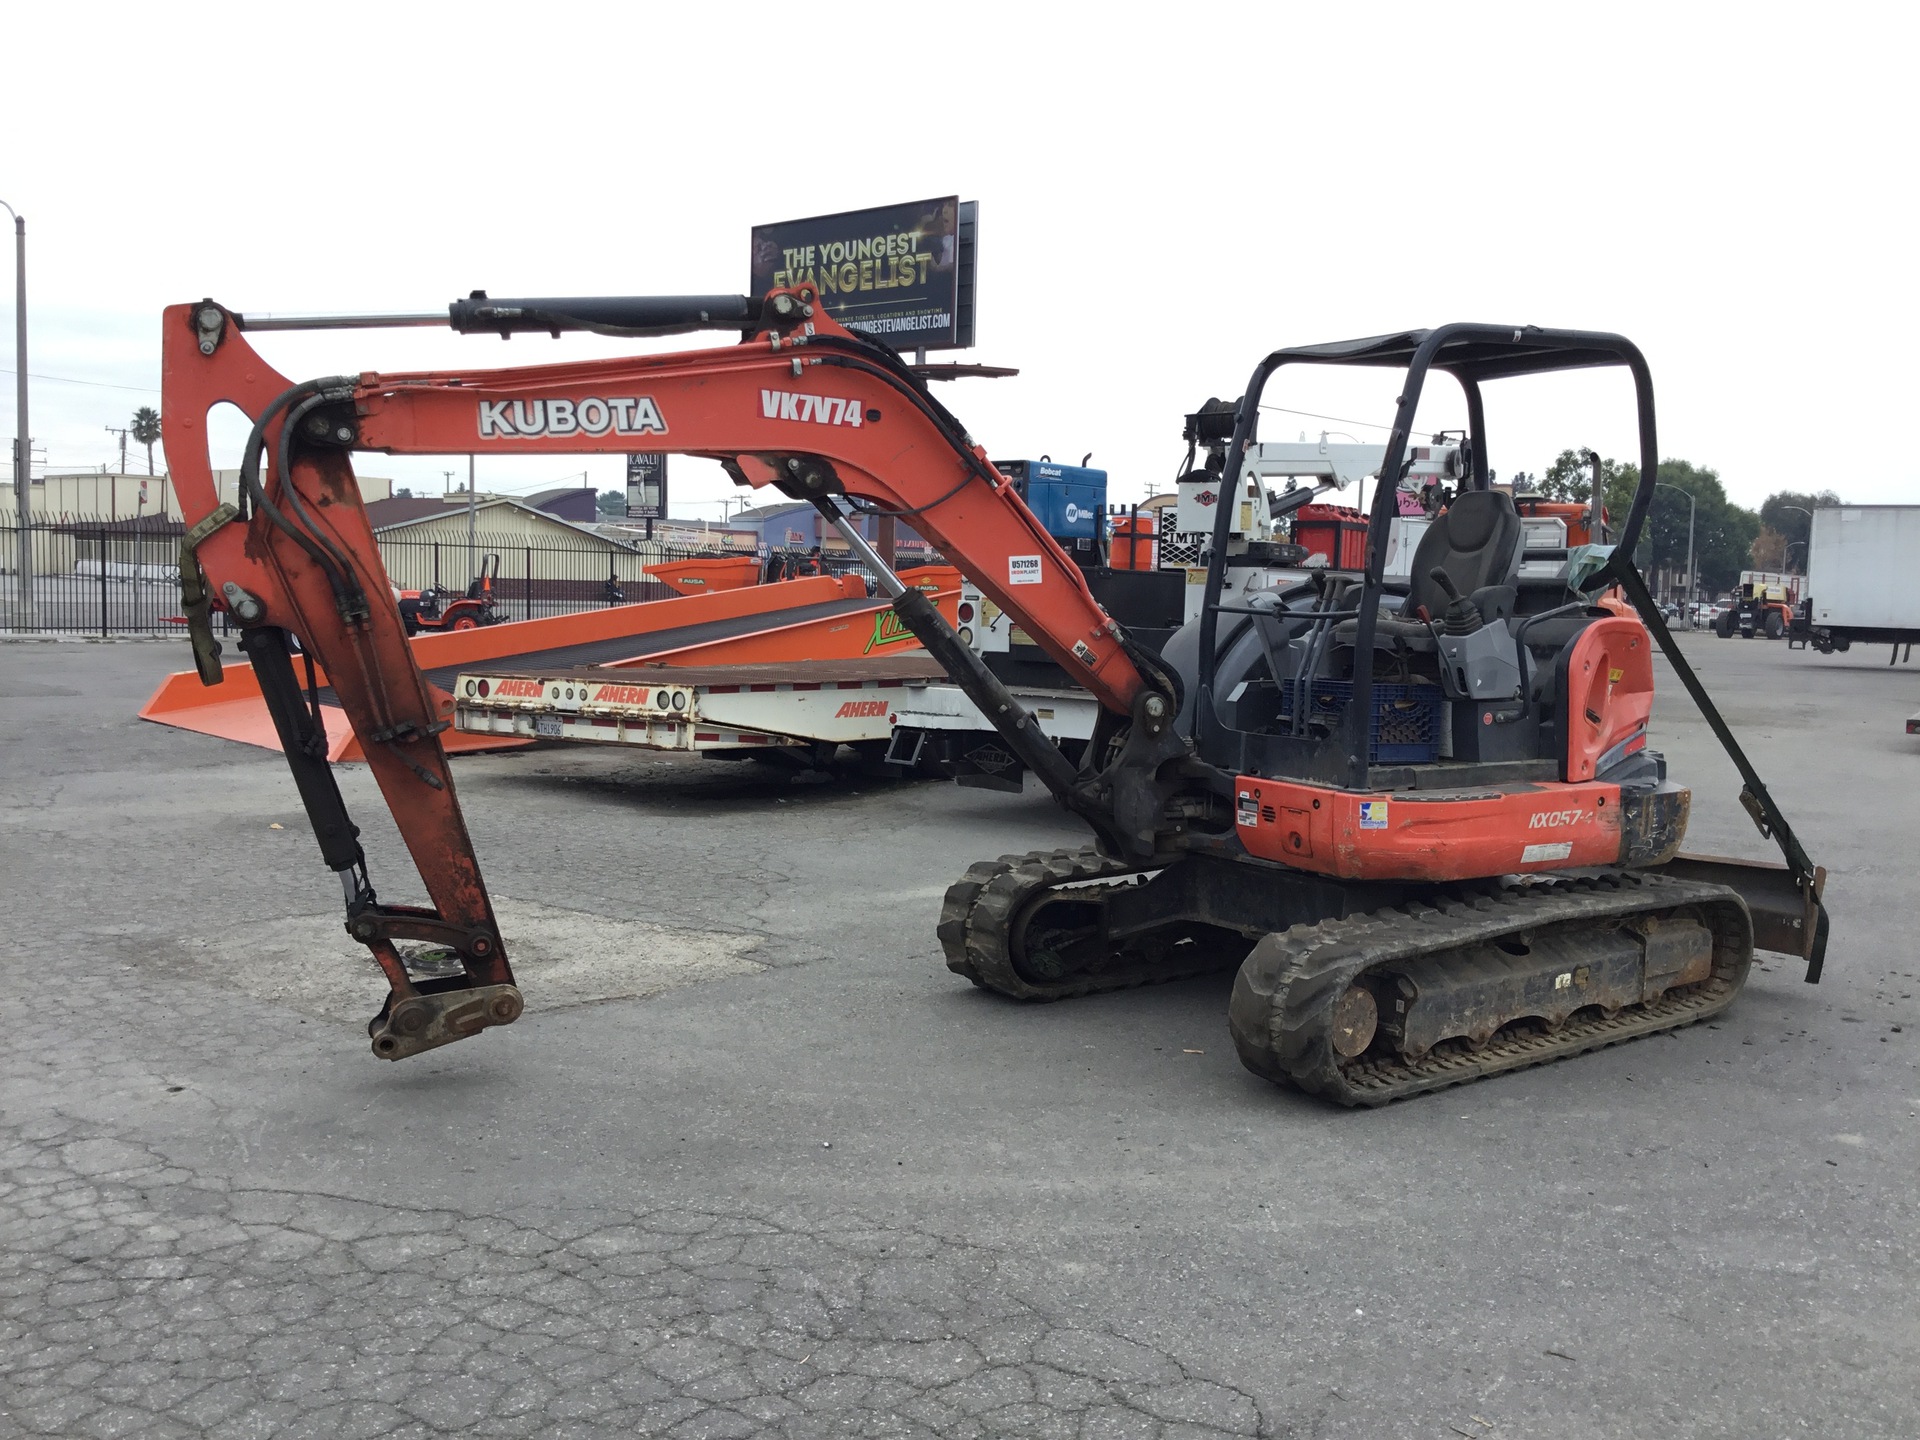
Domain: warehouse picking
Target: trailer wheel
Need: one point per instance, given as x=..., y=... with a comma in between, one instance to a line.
x=1775, y=629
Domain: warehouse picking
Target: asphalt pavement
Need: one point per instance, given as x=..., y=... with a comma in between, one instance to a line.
x=755, y=1163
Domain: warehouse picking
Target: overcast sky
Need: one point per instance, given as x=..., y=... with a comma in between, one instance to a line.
x=1166, y=193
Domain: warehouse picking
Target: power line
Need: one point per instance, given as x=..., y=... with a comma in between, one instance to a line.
x=1365, y=424
x=96, y=384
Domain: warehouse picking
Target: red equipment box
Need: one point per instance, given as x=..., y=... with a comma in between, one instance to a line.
x=1338, y=532
x=1134, y=545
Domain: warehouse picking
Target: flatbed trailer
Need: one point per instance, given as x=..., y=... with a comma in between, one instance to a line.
x=796, y=705
x=818, y=614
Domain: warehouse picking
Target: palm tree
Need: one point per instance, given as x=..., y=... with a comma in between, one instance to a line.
x=145, y=430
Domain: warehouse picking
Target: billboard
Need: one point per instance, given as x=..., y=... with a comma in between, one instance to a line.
x=902, y=273
x=647, y=486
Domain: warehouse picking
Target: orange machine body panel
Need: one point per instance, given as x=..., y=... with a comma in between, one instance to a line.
x=1477, y=830
x=1609, y=695
x=1474, y=832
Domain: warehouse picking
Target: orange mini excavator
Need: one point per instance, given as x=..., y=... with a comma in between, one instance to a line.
x=1420, y=816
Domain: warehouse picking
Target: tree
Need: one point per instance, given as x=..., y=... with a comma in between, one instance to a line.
x=1788, y=514
x=1769, y=549
x=1570, y=477
x=1723, y=532
x=145, y=430
x=611, y=502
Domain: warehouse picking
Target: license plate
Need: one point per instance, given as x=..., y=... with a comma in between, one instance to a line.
x=547, y=727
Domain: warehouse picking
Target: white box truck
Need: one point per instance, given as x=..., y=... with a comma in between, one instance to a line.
x=1860, y=577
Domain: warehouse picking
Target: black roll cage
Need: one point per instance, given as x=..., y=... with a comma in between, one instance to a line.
x=1472, y=354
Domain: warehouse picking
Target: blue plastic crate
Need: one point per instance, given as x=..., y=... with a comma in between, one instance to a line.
x=1406, y=718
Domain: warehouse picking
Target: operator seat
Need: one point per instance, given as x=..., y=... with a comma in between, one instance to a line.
x=1478, y=541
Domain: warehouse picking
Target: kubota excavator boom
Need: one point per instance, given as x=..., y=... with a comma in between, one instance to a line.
x=801, y=404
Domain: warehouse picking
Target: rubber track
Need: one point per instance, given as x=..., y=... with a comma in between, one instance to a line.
x=978, y=916
x=1283, y=998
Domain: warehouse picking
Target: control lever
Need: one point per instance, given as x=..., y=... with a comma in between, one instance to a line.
x=1463, y=616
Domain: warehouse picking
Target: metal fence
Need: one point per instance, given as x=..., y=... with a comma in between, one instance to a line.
x=93, y=576
x=535, y=580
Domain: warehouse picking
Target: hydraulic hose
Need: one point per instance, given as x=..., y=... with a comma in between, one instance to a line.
x=305, y=396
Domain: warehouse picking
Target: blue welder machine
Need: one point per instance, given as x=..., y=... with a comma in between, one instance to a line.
x=1070, y=500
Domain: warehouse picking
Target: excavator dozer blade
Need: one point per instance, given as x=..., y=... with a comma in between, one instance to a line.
x=1789, y=916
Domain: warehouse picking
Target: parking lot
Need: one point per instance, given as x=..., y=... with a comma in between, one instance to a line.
x=755, y=1163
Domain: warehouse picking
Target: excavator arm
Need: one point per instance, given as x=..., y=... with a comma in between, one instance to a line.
x=800, y=404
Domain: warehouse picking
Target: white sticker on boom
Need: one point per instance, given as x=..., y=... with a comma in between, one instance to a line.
x=1023, y=569
x=1539, y=854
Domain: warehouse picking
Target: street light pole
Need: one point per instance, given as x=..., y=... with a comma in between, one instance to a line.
x=23, y=442
x=1808, y=542
x=1691, y=507
x=1596, y=502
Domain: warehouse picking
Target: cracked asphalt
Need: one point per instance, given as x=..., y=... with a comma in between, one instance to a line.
x=759, y=1166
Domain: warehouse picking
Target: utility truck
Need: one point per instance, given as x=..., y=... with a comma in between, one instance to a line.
x=1860, y=562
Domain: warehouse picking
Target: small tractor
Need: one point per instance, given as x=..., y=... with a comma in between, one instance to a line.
x=437, y=609
x=1758, y=608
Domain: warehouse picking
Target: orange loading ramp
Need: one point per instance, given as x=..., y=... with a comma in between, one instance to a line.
x=815, y=618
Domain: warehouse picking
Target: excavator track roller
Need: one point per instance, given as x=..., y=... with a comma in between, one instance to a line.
x=1033, y=927
x=1426, y=995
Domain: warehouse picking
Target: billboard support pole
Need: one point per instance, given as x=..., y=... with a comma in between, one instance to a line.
x=887, y=536
x=472, y=518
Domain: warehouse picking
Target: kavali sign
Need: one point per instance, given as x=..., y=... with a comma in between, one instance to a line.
x=903, y=273
x=647, y=485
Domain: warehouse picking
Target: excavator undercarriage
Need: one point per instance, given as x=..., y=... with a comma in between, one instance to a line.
x=1401, y=919
x=1434, y=987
